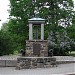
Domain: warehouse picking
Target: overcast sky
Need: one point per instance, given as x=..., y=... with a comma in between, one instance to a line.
x=3, y=11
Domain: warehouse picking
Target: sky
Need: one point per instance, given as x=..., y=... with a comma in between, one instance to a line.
x=4, y=15
x=3, y=11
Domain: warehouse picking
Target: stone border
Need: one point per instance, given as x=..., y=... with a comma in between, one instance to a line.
x=13, y=63
x=8, y=63
x=64, y=62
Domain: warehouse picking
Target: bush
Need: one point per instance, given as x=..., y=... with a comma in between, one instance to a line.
x=5, y=44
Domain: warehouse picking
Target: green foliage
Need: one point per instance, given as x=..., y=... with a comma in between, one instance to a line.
x=18, y=33
x=5, y=43
x=55, y=12
x=52, y=10
x=63, y=45
x=71, y=31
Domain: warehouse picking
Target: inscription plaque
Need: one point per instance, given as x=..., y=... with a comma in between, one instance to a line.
x=36, y=48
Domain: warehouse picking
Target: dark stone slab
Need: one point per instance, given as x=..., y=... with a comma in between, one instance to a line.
x=36, y=48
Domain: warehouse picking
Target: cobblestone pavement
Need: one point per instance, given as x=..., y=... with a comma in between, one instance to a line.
x=61, y=69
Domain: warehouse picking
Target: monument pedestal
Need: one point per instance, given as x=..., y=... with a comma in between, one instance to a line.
x=36, y=56
x=35, y=62
x=36, y=48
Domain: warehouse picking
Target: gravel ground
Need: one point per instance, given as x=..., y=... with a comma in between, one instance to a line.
x=61, y=69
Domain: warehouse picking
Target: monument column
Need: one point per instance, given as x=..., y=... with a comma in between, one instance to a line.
x=30, y=32
x=42, y=31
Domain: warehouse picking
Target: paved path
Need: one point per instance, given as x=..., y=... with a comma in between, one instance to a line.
x=61, y=69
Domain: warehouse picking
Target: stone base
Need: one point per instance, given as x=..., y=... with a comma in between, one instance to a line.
x=33, y=51
x=35, y=62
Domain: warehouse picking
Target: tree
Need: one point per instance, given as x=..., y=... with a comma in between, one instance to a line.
x=71, y=31
x=16, y=39
x=56, y=13
x=5, y=43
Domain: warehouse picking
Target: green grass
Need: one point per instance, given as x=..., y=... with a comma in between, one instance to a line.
x=16, y=52
x=72, y=53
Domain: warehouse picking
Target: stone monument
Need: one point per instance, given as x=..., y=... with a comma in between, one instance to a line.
x=36, y=46
x=36, y=55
